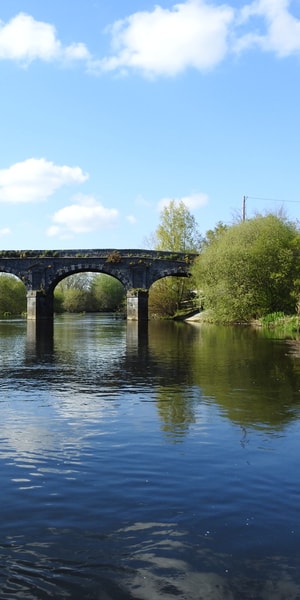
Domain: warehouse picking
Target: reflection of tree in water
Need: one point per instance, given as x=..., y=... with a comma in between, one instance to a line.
x=176, y=411
x=255, y=380
x=251, y=377
x=175, y=394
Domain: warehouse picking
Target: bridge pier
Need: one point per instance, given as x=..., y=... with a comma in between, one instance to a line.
x=39, y=305
x=39, y=337
x=137, y=305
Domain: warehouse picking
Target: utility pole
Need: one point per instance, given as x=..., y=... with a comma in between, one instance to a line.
x=244, y=209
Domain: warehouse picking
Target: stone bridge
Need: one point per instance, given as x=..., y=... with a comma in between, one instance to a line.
x=137, y=270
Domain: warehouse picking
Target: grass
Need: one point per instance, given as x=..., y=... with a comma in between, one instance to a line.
x=286, y=325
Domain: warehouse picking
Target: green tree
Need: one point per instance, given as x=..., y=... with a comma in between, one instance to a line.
x=214, y=234
x=74, y=293
x=12, y=295
x=178, y=229
x=89, y=293
x=108, y=293
x=251, y=269
x=177, y=232
x=58, y=300
x=75, y=300
x=78, y=281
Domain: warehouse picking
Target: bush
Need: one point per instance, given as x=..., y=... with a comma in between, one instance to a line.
x=250, y=270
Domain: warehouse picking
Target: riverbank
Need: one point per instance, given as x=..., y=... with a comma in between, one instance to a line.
x=284, y=325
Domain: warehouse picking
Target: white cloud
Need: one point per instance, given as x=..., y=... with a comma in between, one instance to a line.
x=5, y=231
x=279, y=30
x=192, y=202
x=35, y=179
x=167, y=41
x=83, y=216
x=24, y=39
x=194, y=34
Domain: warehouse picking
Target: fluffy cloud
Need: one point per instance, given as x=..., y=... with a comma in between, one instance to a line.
x=35, y=180
x=83, y=216
x=167, y=41
x=192, y=202
x=24, y=39
x=200, y=35
x=279, y=30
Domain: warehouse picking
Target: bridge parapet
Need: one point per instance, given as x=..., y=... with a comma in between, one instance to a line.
x=110, y=254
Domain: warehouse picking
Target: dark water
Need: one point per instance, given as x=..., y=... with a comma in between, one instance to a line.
x=153, y=465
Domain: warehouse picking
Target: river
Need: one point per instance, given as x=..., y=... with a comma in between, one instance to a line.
x=148, y=465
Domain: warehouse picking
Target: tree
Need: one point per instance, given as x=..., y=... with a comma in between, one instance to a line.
x=177, y=232
x=88, y=292
x=12, y=295
x=108, y=293
x=75, y=300
x=251, y=269
x=73, y=293
x=78, y=281
x=213, y=234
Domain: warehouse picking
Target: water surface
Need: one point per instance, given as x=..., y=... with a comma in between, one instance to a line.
x=150, y=464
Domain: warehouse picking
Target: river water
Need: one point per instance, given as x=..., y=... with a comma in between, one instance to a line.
x=148, y=465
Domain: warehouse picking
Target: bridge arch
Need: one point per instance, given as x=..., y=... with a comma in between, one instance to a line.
x=64, y=273
x=11, y=271
x=137, y=270
x=170, y=273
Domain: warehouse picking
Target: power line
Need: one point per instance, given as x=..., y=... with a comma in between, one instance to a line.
x=265, y=200
x=271, y=199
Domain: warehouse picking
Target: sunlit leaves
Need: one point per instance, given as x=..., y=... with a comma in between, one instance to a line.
x=12, y=295
x=177, y=232
x=250, y=269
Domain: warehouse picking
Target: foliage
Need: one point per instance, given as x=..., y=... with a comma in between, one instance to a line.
x=177, y=232
x=283, y=325
x=170, y=295
x=114, y=257
x=164, y=297
x=78, y=281
x=108, y=293
x=214, y=234
x=271, y=319
x=58, y=301
x=12, y=295
x=250, y=270
x=75, y=300
x=72, y=294
x=89, y=293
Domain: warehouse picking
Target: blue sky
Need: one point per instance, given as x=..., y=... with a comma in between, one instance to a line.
x=111, y=109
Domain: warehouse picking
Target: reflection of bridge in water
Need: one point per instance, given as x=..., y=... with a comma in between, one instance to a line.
x=137, y=270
